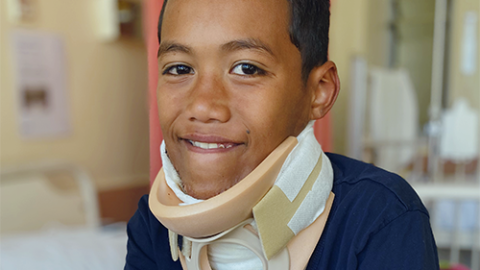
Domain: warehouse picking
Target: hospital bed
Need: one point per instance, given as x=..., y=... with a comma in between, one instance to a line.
x=442, y=162
x=50, y=220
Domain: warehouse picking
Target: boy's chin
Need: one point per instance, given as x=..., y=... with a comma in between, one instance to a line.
x=204, y=187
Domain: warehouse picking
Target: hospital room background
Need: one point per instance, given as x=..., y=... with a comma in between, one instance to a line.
x=79, y=134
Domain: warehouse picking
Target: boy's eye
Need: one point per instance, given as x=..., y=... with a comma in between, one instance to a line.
x=247, y=69
x=178, y=70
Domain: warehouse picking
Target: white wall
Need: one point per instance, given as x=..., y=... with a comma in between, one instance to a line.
x=107, y=96
x=348, y=37
x=461, y=85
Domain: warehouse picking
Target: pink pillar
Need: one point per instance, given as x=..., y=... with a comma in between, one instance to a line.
x=323, y=133
x=151, y=12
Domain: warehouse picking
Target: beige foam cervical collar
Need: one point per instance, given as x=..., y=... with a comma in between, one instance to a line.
x=221, y=216
x=221, y=212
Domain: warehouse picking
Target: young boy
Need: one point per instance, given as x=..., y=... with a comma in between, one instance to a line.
x=240, y=84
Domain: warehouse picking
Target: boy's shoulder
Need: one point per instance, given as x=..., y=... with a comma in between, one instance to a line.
x=373, y=213
x=357, y=180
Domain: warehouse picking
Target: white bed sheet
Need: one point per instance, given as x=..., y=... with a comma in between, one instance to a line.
x=65, y=248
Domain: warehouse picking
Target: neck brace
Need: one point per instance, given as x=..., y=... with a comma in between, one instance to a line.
x=285, y=194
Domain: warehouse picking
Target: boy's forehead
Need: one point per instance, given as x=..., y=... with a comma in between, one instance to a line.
x=197, y=6
x=217, y=19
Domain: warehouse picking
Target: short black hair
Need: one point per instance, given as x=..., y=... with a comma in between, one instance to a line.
x=308, y=29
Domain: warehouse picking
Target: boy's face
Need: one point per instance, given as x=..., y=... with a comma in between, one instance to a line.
x=230, y=88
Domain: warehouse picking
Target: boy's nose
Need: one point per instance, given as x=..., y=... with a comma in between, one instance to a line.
x=209, y=101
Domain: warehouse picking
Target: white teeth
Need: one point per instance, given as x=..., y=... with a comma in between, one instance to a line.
x=209, y=145
x=212, y=145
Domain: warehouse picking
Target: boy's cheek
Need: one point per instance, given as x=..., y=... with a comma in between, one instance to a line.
x=170, y=101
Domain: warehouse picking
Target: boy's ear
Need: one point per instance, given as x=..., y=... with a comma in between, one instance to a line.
x=325, y=85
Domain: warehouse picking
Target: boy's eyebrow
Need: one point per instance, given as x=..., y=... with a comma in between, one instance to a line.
x=251, y=43
x=235, y=45
x=172, y=47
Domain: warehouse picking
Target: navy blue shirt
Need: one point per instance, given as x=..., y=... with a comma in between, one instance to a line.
x=377, y=221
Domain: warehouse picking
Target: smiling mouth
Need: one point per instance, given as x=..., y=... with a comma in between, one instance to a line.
x=204, y=145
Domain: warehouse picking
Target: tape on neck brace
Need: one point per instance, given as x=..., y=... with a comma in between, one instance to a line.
x=305, y=200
